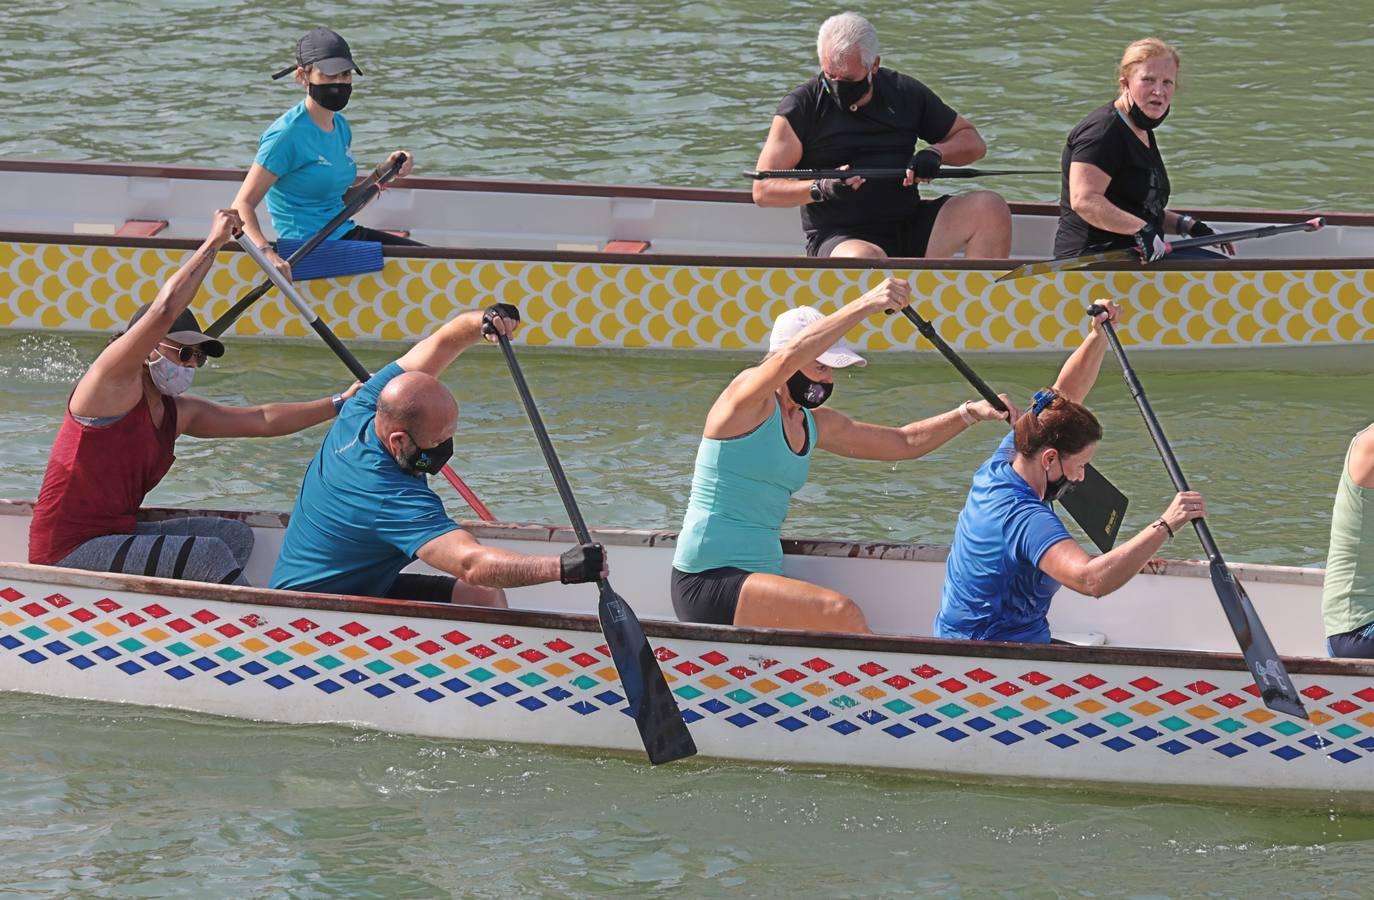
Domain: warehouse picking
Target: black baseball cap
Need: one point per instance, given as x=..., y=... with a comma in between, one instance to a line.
x=324, y=50
x=187, y=332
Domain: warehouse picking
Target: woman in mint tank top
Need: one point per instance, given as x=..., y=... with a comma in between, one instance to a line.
x=755, y=454
x=304, y=163
x=1348, y=589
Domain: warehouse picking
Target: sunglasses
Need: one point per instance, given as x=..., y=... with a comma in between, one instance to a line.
x=186, y=354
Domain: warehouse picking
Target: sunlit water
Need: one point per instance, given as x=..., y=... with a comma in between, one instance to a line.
x=104, y=801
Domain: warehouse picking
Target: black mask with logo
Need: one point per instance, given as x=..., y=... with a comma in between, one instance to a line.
x=1055, y=489
x=1141, y=120
x=808, y=393
x=847, y=94
x=426, y=460
x=332, y=96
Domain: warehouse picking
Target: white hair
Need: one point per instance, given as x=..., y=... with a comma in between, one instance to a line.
x=844, y=34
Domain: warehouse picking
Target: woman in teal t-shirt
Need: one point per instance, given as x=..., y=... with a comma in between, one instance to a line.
x=756, y=453
x=304, y=163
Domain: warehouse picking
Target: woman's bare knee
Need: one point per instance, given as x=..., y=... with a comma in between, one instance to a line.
x=843, y=614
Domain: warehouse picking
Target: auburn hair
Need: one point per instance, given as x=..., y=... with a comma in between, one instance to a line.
x=1063, y=424
x=1141, y=50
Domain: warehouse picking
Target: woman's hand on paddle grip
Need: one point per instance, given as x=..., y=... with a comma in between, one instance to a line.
x=499, y=318
x=406, y=166
x=893, y=295
x=1110, y=312
x=1186, y=506
x=984, y=411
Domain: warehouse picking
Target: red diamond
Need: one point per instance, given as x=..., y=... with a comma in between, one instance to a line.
x=585, y=659
x=1174, y=698
x=204, y=616
x=482, y=651
x=354, y=628
x=82, y=615
x=229, y=629
x=106, y=605
x=1035, y=678
x=1201, y=687
x=1063, y=691
x=900, y=682
x=926, y=671
x=1118, y=695
x=328, y=638
x=430, y=647
x=35, y=609
x=253, y=620
x=1252, y=690
x=980, y=675
x=405, y=632
x=456, y=637
x=740, y=672
x=713, y=658
x=816, y=664
x=505, y=642
x=156, y=610
x=791, y=676
x=1007, y=689
x=180, y=626
x=766, y=664
x=844, y=679
x=303, y=625
x=953, y=685
x=1366, y=694
x=664, y=654
x=1344, y=706
x=57, y=601
x=279, y=635
x=872, y=669
x=1091, y=682
x=1230, y=701
x=1145, y=683
x=1316, y=692
x=11, y=594
x=131, y=619
x=687, y=667
x=557, y=645
x=376, y=642
x=532, y=655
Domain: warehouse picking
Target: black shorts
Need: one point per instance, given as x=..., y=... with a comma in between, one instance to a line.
x=707, y=598
x=422, y=588
x=906, y=239
x=363, y=233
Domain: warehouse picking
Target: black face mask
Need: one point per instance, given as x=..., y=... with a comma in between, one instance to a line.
x=426, y=461
x=847, y=94
x=806, y=392
x=333, y=96
x=1054, y=489
x=1143, y=121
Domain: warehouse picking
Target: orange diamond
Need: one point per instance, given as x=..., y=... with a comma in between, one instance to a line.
x=765, y=685
x=1146, y=708
x=1035, y=703
x=979, y=699
x=926, y=696
x=352, y=651
x=714, y=682
x=1091, y=706
x=253, y=645
x=557, y=670
x=816, y=689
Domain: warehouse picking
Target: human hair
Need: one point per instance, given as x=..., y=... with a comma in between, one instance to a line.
x=1142, y=50
x=844, y=34
x=1063, y=424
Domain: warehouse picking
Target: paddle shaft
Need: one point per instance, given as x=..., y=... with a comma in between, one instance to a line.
x=358, y=370
x=810, y=174
x=928, y=332
x=361, y=199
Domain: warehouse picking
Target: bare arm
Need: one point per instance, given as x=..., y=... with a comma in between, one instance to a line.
x=963, y=145
x=459, y=554
x=1081, y=370
x=255, y=186
x=1088, y=197
x=843, y=436
x=437, y=352
x=114, y=382
x=1362, y=460
x=201, y=418
x=782, y=150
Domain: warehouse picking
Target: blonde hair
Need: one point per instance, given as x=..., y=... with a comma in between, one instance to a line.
x=1142, y=50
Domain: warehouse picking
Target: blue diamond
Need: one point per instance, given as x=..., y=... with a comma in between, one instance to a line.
x=9, y=643
x=106, y=653
x=1034, y=726
x=153, y=658
x=872, y=716
x=691, y=715
x=1118, y=744
x=1146, y=733
x=1316, y=742
x=583, y=708
x=1089, y=730
x=844, y=726
x=1173, y=748
x=481, y=698
x=764, y=710
x=898, y=730
x=129, y=667
x=304, y=673
x=1230, y=750
x=179, y=673
x=1007, y=737
x=791, y=723
x=1345, y=755
x=1287, y=753
x=978, y=723
x=56, y=648
x=531, y=703
x=429, y=695
x=229, y=677
x=714, y=706
x=952, y=734
x=456, y=685
x=328, y=685
x=925, y=720
x=740, y=720
x=33, y=656
x=557, y=694
x=1062, y=741
x=1259, y=739
x=506, y=689
x=205, y=663
x=81, y=662
x=379, y=690
x=279, y=681
x=817, y=713
x=404, y=681
x=253, y=667
x=1365, y=743
x=353, y=676
x=1201, y=736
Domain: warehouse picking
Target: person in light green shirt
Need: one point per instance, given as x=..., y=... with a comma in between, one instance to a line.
x=1348, y=590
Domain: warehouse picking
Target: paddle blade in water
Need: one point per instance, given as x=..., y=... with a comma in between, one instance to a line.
x=655, y=711
x=1097, y=506
x=1271, y=676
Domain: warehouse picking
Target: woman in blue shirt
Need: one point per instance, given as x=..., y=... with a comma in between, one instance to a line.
x=1011, y=552
x=756, y=453
x=304, y=163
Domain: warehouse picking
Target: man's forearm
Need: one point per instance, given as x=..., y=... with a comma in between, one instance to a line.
x=493, y=567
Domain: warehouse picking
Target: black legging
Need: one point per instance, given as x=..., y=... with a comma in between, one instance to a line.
x=363, y=233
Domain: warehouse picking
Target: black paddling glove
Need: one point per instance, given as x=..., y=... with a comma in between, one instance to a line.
x=582, y=563
x=926, y=163
x=495, y=311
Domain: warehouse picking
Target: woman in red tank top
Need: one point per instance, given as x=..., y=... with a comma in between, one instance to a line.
x=117, y=437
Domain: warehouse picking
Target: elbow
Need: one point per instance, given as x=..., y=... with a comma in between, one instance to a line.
x=762, y=195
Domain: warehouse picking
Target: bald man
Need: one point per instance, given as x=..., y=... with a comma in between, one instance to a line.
x=365, y=509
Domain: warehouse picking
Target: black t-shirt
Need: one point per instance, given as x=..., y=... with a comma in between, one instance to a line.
x=882, y=133
x=1139, y=184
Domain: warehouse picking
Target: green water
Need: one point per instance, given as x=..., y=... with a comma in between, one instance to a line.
x=103, y=801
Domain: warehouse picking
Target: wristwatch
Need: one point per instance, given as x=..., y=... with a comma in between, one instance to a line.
x=816, y=195
x=338, y=401
x=1185, y=224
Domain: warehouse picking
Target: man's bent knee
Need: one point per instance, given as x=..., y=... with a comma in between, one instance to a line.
x=857, y=250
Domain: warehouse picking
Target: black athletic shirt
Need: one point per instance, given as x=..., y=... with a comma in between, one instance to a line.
x=882, y=133
x=1139, y=184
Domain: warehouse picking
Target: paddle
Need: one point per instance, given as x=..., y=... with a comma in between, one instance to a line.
x=360, y=372
x=1123, y=254
x=655, y=712
x=1271, y=677
x=1094, y=503
x=810, y=174
x=360, y=197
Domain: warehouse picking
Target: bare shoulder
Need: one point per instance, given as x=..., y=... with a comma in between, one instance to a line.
x=1362, y=458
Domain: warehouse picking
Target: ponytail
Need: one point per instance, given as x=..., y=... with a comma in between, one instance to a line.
x=1056, y=421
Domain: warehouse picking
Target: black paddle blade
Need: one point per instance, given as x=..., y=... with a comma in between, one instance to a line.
x=1271, y=676
x=652, y=704
x=1097, y=506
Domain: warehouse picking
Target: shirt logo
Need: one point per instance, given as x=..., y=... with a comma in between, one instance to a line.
x=322, y=161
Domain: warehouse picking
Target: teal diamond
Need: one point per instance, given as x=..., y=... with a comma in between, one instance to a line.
x=898, y=706
x=228, y=654
x=1174, y=723
x=951, y=710
x=585, y=682
x=33, y=633
x=1062, y=716
x=81, y=638
x=844, y=701
x=379, y=667
x=1007, y=713
x=687, y=692
x=1345, y=732
x=429, y=670
x=740, y=695
x=133, y=645
x=328, y=662
x=1230, y=726
x=1287, y=728
x=532, y=679
x=481, y=674
x=1117, y=720
x=791, y=699
x=278, y=658
x=180, y=649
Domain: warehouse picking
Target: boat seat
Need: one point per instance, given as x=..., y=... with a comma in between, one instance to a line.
x=1080, y=638
x=141, y=227
x=625, y=247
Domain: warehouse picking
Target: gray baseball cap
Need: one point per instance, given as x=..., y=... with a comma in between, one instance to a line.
x=324, y=50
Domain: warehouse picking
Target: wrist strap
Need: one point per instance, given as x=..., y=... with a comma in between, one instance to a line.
x=338, y=401
x=968, y=417
x=1160, y=523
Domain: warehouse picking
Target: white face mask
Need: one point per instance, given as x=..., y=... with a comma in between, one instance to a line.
x=168, y=377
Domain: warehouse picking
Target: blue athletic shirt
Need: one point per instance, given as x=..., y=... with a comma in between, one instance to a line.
x=358, y=519
x=313, y=170
x=994, y=589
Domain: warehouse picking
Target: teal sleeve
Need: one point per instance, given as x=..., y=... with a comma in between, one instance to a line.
x=277, y=151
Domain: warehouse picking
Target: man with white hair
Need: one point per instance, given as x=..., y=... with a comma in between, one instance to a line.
x=855, y=113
